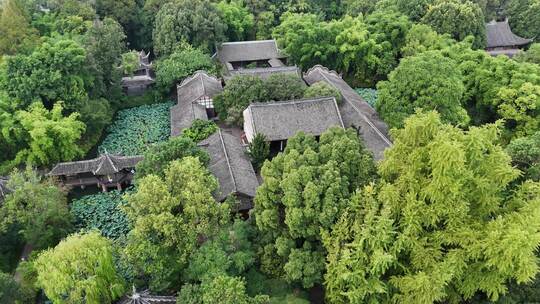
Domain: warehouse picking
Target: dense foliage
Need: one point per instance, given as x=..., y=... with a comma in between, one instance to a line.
x=135, y=130
x=39, y=208
x=322, y=88
x=80, y=270
x=200, y=129
x=369, y=95
x=259, y=150
x=103, y=212
x=305, y=189
x=443, y=223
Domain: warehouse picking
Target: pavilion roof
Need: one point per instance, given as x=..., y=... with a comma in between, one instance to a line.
x=200, y=84
x=282, y=120
x=499, y=34
x=230, y=165
x=355, y=111
x=105, y=164
x=145, y=297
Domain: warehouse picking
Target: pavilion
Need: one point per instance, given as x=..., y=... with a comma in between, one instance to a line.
x=141, y=79
x=502, y=41
x=106, y=171
x=195, y=101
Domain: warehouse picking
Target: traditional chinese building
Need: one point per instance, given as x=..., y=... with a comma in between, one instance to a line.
x=502, y=41
x=355, y=111
x=195, y=101
x=141, y=79
x=106, y=171
x=232, y=168
x=279, y=121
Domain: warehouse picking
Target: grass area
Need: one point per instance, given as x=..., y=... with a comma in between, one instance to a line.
x=135, y=129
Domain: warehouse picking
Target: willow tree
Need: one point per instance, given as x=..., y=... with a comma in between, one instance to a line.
x=80, y=270
x=304, y=191
x=445, y=222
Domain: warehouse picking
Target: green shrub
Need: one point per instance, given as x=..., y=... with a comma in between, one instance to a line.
x=135, y=129
x=322, y=89
x=259, y=150
x=200, y=130
x=102, y=211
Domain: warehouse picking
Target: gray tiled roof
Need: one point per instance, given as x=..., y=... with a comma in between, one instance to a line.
x=198, y=85
x=190, y=90
x=230, y=165
x=266, y=72
x=248, y=51
x=499, y=34
x=282, y=120
x=355, y=111
x=105, y=164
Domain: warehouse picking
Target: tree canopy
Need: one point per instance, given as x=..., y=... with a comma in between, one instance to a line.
x=444, y=222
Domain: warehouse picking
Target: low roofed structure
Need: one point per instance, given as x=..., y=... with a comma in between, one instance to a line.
x=195, y=101
x=145, y=297
x=232, y=168
x=106, y=171
x=502, y=41
x=238, y=54
x=279, y=121
x=141, y=79
x=355, y=111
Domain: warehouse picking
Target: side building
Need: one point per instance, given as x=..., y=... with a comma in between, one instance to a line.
x=502, y=41
x=279, y=121
x=355, y=111
x=142, y=78
x=106, y=171
x=232, y=168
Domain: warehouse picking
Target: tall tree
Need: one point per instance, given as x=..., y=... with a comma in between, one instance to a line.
x=171, y=217
x=459, y=19
x=524, y=17
x=428, y=81
x=525, y=153
x=238, y=18
x=38, y=207
x=16, y=33
x=80, y=270
x=196, y=22
x=304, y=191
x=443, y=223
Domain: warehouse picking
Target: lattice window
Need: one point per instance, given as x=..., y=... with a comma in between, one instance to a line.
x=206, y=101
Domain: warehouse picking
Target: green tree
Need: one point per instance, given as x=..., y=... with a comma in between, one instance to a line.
x=304, y=192
x=38, y=207
x=46, y=137
x=104, y=44
x=524, y=17
x=322, y=88
x=525, y=153
x=221, y=289
x=459, y=19
x=239, y=20
x=200, y=130
x=9, y=289
x=54, y=71
x=96, y=114
x=443, y=223
x=532, y=55
x=130, y=62
x=197, y=22
x=157, y=157
x=80, y=270
x=282, y=87
x=183, y=62
x=170, y=217
x=428, y=81
x=122, y=11
x=16, y=33
x=259, y=150
x=421, y=38
x=239, y=92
